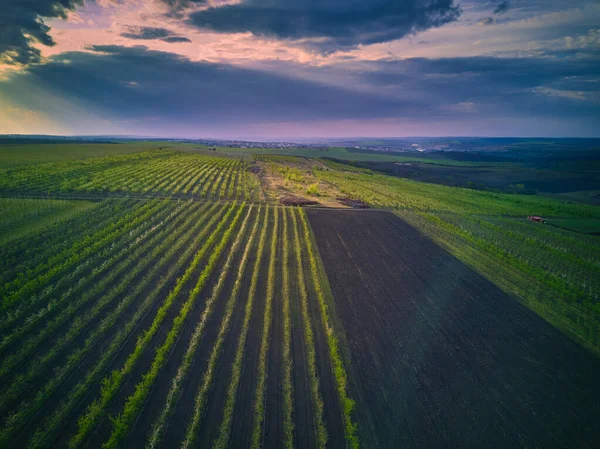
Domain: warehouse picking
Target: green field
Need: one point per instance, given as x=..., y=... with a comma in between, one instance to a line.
x=149, y=173
x=581, y=225
x=27, y=153
x=18, y=217
x=161, y=297
x=343, y=154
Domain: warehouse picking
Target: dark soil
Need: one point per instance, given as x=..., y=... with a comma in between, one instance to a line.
x=442, y=358
x=273, y=425
x=297, y=201
x=353, y=203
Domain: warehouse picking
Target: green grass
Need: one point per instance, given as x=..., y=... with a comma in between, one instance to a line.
x=12, y=155
x=581, y=225
x=20, y=217
x=397, y=193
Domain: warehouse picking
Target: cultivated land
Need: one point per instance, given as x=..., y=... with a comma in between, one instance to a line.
x=439, y=356
x=157, y=294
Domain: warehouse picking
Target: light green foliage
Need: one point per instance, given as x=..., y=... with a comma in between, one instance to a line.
x=397, y=193
x=275, y=158
x=290, y=173
x=313, y=189
x=159, y=172
x=19, y=217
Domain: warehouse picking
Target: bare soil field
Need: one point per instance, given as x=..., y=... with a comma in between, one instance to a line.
x=441, y=358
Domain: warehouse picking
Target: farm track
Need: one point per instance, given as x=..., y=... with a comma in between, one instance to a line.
x=465, y=355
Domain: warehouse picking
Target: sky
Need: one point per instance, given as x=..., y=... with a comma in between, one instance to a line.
x=284, y=69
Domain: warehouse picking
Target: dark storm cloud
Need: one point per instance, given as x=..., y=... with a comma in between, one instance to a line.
x=176, y=39
x=502, y=7
x=176, y=6
x=126, y=83
x=337, y=23
x=22, y=25
x=149, y=33
x=498, y=86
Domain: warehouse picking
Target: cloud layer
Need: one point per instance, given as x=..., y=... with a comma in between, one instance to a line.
x=151, y=33
x=22, y=26
x=330, y=24
x=152, y=91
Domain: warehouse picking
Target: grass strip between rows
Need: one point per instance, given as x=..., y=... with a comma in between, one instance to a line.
x=341, y=378
x=112, y=384
x=207, y=379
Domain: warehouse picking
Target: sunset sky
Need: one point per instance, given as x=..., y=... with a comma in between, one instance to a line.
x=261, y=69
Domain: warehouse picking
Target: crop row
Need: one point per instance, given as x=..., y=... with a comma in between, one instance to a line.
x=27, y=256
x=165, y=173
x=104, y=334
x=206, y=382
x=275, y=158
x=259, y=400
x=27, y=408
x=19, y=288
x=74, y=281
x=112, y=383
x=191, y=238
x=130, y=268
x=24, y=254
